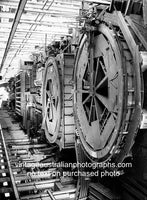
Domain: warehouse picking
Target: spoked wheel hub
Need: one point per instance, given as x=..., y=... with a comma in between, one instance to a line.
x=103, y=102
x=51, y=99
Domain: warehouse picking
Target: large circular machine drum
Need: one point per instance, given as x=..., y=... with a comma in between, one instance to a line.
x=51, y=100
x=104, y=100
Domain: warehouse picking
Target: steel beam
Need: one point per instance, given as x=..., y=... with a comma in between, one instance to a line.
x=37, y=4
x=19, y=12
x=40, y=23
x=42, y=32
x=61, y=9
x=107, y=2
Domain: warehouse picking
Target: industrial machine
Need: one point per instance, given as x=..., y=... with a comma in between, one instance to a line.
x=108, y=86
x=94, y=99
x=57, y=104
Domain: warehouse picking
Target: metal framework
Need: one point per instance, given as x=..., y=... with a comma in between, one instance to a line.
x=13, y=29
x=25, y=24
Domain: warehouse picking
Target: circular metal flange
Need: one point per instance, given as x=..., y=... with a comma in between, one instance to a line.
x=100, y=103
x=51, y=100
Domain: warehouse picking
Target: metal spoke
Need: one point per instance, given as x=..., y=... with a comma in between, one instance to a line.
x=103, y=67
x=91, y=66
x=51, y=112
x=87, y=98
x=54, y=111
x=83, y=91
x=102, y=82
x=96, y=72
x=46, y=112
x=87, y=109
x=91, y=108
x=97, y=108
x=56, y=102
x=53, y=99
x=88, y=65
x=104, y=100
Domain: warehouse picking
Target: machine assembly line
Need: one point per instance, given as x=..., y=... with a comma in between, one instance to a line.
x=74, y=124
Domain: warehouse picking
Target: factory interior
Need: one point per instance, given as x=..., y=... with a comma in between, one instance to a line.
x=73, y=99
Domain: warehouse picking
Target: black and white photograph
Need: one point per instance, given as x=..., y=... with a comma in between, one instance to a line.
x=73, y=99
